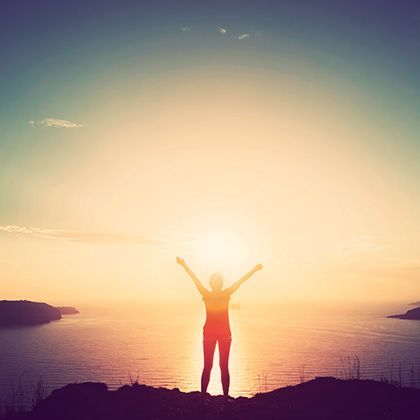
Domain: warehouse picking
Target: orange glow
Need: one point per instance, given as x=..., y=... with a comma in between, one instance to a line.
x=262, y=174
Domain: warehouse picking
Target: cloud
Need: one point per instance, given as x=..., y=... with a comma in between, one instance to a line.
x=394, y=269
x=222, y=30
x=186, y=29
x=78, y=236
x=407, y=263
x=243, y=36
x=54, y=123
x=361, y=244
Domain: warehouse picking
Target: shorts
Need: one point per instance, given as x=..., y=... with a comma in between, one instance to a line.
x=211, y=337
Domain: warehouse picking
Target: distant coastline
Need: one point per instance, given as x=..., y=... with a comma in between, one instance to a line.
x=410, y=314
x=67, y=310
x=25, y=313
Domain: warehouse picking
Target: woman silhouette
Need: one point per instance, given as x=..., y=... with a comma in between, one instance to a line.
x=216, y=329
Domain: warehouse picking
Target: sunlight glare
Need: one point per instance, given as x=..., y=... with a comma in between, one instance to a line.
x=220, y=250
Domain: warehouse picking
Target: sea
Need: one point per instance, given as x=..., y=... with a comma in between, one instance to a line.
x=274, y=345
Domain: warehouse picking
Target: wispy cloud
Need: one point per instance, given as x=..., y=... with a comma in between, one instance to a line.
x=400, y=270
x=411, y=264
x=78, y=236
x=54, y=123
x=223, y=31
x=361, y=244
x=243, y=36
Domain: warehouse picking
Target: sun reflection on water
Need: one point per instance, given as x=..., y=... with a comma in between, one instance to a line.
x=272, y=346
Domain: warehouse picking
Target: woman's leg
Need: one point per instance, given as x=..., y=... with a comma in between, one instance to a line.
x=208, y=347
x=224, y=350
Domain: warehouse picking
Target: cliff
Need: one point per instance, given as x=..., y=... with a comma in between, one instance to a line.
x=67, y=310
x=321, y=398
x=24, y=312
x=411, y=314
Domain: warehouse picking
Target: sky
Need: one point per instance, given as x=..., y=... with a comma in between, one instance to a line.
x=229, y=133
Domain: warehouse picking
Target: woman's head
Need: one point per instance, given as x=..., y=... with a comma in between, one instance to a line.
x=216, y=282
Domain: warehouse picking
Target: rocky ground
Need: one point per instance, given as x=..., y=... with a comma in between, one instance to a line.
x=321, y=398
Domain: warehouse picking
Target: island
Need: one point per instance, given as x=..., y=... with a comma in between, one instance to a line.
x=25, y=312
x=67, y=310
x=319, y=399
x=411, y=314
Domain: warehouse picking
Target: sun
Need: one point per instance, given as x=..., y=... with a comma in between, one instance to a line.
x=220, y=250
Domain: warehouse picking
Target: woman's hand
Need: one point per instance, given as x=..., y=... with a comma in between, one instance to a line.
x=195, y=279
x=235, y=286
x=180, y=261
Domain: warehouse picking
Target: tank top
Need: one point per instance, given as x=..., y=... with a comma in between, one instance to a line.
x=217, y=313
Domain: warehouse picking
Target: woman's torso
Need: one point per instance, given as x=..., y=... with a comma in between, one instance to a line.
x=217, y=314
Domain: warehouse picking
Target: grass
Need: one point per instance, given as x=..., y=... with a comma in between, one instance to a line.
x=349, y=368
x=14, y=400
x=134, y=380
x=38, y=392
x=401, y=375
x=18, y=399
x=302, y=374
x=262, y=383
x=21, y=398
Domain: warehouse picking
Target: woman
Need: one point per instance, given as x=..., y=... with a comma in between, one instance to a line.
x=216, y=329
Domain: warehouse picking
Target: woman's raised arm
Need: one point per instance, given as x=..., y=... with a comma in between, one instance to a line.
x=238, y=284
x=195, y=279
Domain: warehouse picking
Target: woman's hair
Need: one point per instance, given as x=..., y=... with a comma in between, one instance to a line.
x=216, y=281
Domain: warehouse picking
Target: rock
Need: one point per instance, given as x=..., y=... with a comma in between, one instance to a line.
x=72, y=400
x=24, y=312
x=67, y=310
x=321, y=398
x=411, y=314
